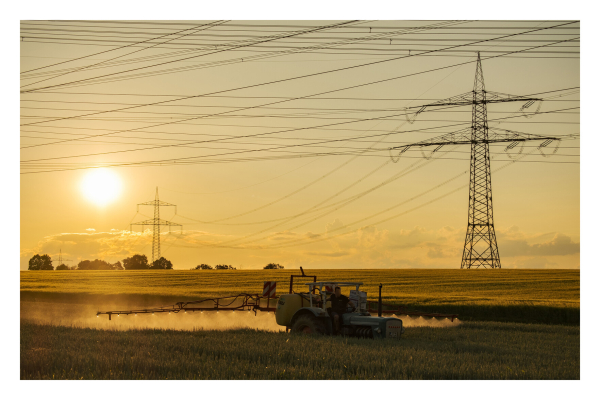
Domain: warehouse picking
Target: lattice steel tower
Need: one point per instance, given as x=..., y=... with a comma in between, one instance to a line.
x=481, y=248
x=156, y=222
x=60, y=259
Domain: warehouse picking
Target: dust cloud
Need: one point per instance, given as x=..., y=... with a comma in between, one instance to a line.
x=418, y=322
x=84, y=316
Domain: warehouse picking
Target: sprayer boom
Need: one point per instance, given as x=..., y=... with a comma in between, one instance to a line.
x=241, y=302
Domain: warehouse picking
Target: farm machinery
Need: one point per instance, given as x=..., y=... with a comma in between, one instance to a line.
x=306, y=312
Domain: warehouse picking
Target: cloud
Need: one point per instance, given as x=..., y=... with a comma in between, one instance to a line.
x=513, y=243
x=530, y=263
x=335, y=254
x=284, y=235
x=90, y=230
x=367, y=247
x=334, y=226
x=437, y=252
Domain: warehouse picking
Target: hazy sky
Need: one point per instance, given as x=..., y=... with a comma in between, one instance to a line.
x=294, y=181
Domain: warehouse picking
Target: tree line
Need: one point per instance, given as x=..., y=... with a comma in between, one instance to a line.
x=225, y=266
x=137, y=261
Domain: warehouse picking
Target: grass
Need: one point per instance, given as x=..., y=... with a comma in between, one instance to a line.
x=472, y=350
x=541, y=296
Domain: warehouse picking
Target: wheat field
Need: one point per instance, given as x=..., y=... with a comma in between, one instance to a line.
x=513, y=324
x=472, y=350
x=542, y=296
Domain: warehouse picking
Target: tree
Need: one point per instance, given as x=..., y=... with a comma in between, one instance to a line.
x=118, y=266
x=273, y=266
x=223, y=266
x=62, y=267
x=203, y=266
x=136, y=261
x=162, y=263
x=95, y=265
x=40, y=263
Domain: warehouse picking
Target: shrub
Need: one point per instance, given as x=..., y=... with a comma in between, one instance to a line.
x=224, y=266
x=162, y=263
x=273, y=266
x=118, y=266
x=95, y=265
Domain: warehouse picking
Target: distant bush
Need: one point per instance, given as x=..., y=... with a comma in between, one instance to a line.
x=203, y=266
x=224, y=266
x=273, y=266
x=40, y=263
x=96, y=265
x=118, y=266
x=62, y=267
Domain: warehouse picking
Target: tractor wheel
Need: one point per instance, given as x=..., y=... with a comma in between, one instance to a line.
x=308, y=325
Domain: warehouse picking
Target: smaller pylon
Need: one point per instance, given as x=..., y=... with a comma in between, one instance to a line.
x=60, y=259
x=156, y=222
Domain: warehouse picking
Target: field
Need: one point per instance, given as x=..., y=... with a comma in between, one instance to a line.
x=472, y=350
x=513, y=324
x=542, y=296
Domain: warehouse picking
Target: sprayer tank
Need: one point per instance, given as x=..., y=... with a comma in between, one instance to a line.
x=287, y=305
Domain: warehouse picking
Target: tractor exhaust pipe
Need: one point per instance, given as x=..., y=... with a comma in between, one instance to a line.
x=380, y=304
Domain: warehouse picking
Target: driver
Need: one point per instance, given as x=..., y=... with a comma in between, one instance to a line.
x=339, y=306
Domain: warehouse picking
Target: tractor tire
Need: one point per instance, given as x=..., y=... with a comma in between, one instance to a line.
x=308, y=325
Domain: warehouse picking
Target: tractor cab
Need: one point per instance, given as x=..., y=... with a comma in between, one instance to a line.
x=326, y=289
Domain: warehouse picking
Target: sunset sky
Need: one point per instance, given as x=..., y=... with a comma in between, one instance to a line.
x=272, y=139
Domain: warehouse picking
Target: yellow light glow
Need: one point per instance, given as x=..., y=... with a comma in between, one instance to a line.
x=101, y=186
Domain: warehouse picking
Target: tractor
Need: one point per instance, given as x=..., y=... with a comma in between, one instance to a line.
x=309, y=313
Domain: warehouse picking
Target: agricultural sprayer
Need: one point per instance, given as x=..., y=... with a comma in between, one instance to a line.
x=307, y=312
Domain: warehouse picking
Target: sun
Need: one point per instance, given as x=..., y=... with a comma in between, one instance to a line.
x=101, y=186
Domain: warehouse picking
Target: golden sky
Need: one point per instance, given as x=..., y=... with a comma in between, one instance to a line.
x=272, y=139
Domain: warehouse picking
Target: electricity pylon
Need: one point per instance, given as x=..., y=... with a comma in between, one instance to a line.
x=60, y=259
x=481, y=248
x=156, y=222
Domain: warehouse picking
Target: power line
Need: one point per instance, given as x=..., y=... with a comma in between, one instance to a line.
x=372, y=25
x=267, y=39
x=263, y=97
x=123, y=55
x=271, y=103
x=185, y=159
x=254, y=135
x=328, y=236
x=292, y=50
x=80, y=58
x=346, y=41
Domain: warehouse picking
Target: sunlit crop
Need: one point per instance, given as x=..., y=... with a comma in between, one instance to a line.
x=545, y=296
x=512, y=325
x=473, y=350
